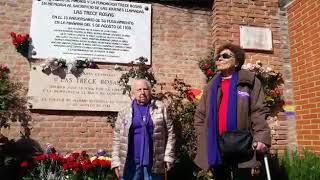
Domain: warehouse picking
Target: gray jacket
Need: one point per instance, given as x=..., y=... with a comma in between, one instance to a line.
x=163, y=137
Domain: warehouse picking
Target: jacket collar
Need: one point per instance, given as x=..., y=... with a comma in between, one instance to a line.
x=246, y=77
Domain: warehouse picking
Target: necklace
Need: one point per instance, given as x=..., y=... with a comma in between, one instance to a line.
x=143, y=117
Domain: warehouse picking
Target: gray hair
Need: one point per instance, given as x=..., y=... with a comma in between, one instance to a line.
x=144, y=80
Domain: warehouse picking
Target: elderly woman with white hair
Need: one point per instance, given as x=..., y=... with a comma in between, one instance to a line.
x=143, y=139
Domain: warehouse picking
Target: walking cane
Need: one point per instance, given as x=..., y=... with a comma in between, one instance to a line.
x=165, y=173
x=265, y=159
x=266, y=164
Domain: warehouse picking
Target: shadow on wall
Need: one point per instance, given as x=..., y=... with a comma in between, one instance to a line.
x=12, y=153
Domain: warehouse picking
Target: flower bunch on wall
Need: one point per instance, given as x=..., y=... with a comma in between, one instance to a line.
x=21, y=43
x=56, y=64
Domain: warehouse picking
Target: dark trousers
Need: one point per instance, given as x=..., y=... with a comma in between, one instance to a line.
x=226, y=173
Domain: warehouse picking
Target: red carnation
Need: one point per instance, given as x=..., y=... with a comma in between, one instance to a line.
x=40, y=157
x=19, y=39
x=190, y=95
x=210, y=72
x=54, y=157
x=105, y=163
x=66, y=166
x=26, y=37
x=24, y=164
x=96, y=162
x=75, y=155
x=207, y=66
x=13, y=34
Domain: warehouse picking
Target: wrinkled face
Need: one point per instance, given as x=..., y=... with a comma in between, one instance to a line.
x=141, y=92
x=225, y=61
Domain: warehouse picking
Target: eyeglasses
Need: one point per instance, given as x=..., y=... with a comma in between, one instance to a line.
x=224, y=56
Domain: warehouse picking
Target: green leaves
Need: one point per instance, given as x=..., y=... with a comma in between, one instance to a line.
x=13, y=103
x=304, y=166
x=137, y=71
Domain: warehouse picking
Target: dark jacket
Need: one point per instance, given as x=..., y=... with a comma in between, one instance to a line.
x=249, y=109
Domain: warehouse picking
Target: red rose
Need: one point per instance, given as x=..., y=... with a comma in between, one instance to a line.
x=105, y=163
x=210, y=72
x=75, y=155
x=14, y=42
x=190, y=96
x=207, y=66
x=19, y=39
x=96, y=162
x=13, y=34
x=54, y=157
x=66, y=166
x=40, y=157
x=24, y=164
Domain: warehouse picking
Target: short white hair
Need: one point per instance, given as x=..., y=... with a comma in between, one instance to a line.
x=134, y=83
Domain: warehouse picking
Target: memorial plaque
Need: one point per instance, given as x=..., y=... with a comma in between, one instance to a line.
x=93, y=90
x=102, y=31
x=256, y=38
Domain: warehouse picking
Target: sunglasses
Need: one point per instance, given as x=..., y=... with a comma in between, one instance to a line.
x=224, y=56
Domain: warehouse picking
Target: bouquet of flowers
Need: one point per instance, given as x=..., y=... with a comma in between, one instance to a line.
x=55, y=64
x=272, y=82
x=208, y=66
x=21, y=42
x=73, y=166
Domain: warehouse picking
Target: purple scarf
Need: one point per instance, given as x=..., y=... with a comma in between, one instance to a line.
x=214, y=158
x=146, y=143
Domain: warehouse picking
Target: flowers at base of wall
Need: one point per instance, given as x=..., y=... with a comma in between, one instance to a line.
x=56, y=64
x=21, y=43
x=73, y=166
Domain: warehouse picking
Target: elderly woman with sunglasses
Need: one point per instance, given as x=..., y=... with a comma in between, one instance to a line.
x=233, y=99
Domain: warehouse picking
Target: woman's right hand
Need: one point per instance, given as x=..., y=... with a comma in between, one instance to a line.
x=117, y=172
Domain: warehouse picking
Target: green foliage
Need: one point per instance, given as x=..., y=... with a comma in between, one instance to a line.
x=139, y=70
x=13, y=103
x=181, y=109
x=305, y=166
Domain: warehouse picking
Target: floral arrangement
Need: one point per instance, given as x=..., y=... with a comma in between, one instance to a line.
x=21, y=43
x=55, y=64
x=272, y=82
x=208, y=67
x=73, y=166
x=140, y=71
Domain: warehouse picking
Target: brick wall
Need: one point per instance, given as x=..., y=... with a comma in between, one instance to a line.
x=180, y=37
x=304, y=33
x=228, y=15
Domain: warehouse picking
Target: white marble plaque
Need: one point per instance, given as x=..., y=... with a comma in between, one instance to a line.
x=256, y=38
x=99, y=30
x=93, y=90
